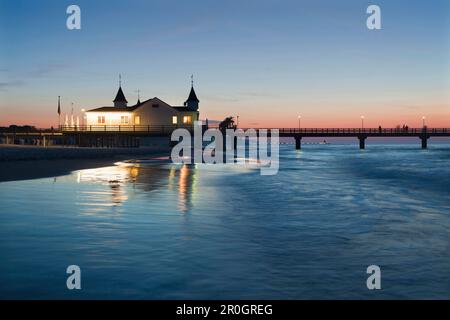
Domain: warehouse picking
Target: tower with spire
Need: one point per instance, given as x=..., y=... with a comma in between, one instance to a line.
x=120, y=100
x=192, y=101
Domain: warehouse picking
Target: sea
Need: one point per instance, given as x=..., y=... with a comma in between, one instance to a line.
x=156, y=230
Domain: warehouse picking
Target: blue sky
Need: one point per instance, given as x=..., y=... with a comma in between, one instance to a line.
x=267, y=61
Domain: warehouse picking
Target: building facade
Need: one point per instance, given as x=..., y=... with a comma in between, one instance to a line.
x=150, y=114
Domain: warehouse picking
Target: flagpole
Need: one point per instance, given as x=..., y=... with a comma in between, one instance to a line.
x=59, y=112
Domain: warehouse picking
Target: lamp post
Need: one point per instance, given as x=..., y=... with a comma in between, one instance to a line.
x=423, y=122
x=299, y=122
x=82, y=117
x=362, y=122
x=72, y=119
x=237, y=121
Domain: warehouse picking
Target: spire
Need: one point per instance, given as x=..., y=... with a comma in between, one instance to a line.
x=192, y=101
x=192, y=96
x=120, y=100
x=139, y=96
x=120, y=97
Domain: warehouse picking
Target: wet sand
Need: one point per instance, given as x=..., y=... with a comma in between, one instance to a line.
x=29, y=162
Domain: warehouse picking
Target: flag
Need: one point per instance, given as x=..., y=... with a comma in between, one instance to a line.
x=59, y=105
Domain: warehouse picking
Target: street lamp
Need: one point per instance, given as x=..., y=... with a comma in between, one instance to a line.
x=72, y=119
x=299, y=122
x=362, y=122
x=423, y=121
x=83, y=116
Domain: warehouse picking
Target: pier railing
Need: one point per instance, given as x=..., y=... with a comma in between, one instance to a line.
x=368, y=131
x=159, y=129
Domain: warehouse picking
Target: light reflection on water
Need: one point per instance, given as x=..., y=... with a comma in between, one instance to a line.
x=157, y=230
x=147, y=178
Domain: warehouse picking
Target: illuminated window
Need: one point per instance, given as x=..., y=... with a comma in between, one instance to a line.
x=137, y=120
x=124, y=119
x=174, y=120
x=187, y=119
x=101, y=119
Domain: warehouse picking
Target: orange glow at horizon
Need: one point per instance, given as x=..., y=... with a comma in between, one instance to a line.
x=251, y=115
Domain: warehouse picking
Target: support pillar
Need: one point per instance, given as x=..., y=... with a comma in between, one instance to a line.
x=362, y=142
x=298, y=143
x=424, y=142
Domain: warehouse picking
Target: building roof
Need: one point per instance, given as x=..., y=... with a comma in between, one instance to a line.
x=120, y=97
x=192, y=96
x=132, y=108
x=114, y=109
x=139, y=104
x=183, y=109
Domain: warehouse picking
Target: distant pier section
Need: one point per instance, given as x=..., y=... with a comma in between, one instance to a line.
x=363, y=133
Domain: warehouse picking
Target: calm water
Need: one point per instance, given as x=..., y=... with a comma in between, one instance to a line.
x=162, y=231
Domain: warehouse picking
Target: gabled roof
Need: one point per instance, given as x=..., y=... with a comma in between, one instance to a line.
x=192, y=96
x=183, y=109
x=128, y=109
x=120, y=97
x=157, y=100
x=114, y=109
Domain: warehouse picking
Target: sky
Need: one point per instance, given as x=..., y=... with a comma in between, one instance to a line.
x=266, y=61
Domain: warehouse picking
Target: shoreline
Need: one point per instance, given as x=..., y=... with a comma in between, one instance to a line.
x=30, y=162
x=26, y=153
x=19, y=162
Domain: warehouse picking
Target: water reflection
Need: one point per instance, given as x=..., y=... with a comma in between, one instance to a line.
x=184, y=180
x=125, y=180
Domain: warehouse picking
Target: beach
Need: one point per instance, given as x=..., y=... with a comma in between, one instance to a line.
x=32, y=162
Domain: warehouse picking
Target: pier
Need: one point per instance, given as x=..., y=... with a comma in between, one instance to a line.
x=128, y=136
x=362, y=134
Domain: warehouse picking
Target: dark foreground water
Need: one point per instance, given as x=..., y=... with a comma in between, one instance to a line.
x=161, y=231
